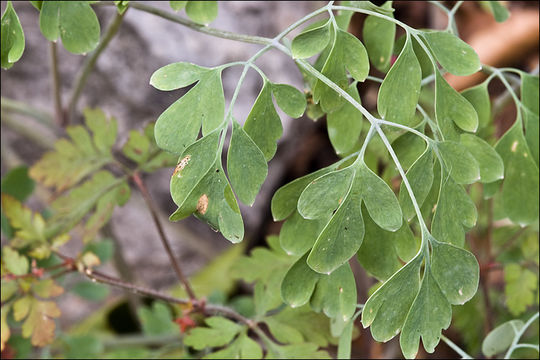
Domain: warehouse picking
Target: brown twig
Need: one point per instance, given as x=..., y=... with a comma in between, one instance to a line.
x=151, y=207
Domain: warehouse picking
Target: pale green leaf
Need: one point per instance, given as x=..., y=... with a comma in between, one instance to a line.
x=454, y=211
x=500, y=338
x=74, y=21
x=298, y=235
x=386, y=310
x=500, y=12
x=452, y=108
x=12, y=37
x=324, y=194
x=27, y=225
x=420, y=177
x=478, y=96
x=335, y=294
x=490, y=163
x=246, y=165
x=296, y=351
x=311, y=42
x=177, y=5
x=202, y=12
x=399, y=92
x=455, y=55
x=341, y=237
x=520, y=286
x=213, y=201
x=15, y=263
x=177, y=75
x=299, y=283
x=157, y=320
x=286, y=197
x=178, y=126
x=456, y=271
x=220, y=331
x=193, y=165
x=459, y=162
x=289, y=99
x=429, y=313
x=529, y=98
x=380, y=200
x=378, y=35
x=520, y=186
x=344, y=124
x=90, y=291
x=408, y=147
x=263, y=124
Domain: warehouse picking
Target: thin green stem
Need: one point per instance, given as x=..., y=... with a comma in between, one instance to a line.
x=519, y=334
x=456, y=348
x=200, y=28
x=22, y=108
x=527, y=346
x=56, y=90
x=90, y=62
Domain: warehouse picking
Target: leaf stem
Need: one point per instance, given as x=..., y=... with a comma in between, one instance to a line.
x=153, y=212
x=90, y=62
x=456, y=348
x=22, y=108
x=56, y=90
x=519, y=334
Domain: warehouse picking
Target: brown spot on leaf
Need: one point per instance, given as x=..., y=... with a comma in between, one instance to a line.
x=202, y=204
x=181, y=165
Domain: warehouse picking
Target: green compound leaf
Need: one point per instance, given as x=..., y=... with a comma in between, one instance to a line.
x=263, y=124
x=178, y=126
x=490, y=163
x=12, y=37
x=246, y=165
x=143, y=150
x=345, y=124
x=456, y=271
x=378, y=35
x=380, y=200
x=202, y=12
x=15, y=263
x=452, y=108
x=219, y=333
x=420, y=177
x=455, y=55
x=520, y=286
x=386, y=310
x=213, y=202
x=341, y=237
x=455, y=211
x=529, y=98
x=459, y=162
x=478, y=96
x=100, y=194
x=311, y=42
x=408, y=147
x=297, y=351
x=285, y=199
x=429, y=314
x=399, y=92
x=299, y=283
x=347, y=53
x=73, y=160
x=298, y=235
x=193, y=165
x=177, y=5
x=289, y=99
x=501, y=338
x=157, y=320
x=177, y=75
x=520, y=186
x=379, y=253
x=28, y=226
x=241, y=348
x=74, y=21
x=335, y=294
x=324, y=194
x=500, y=12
